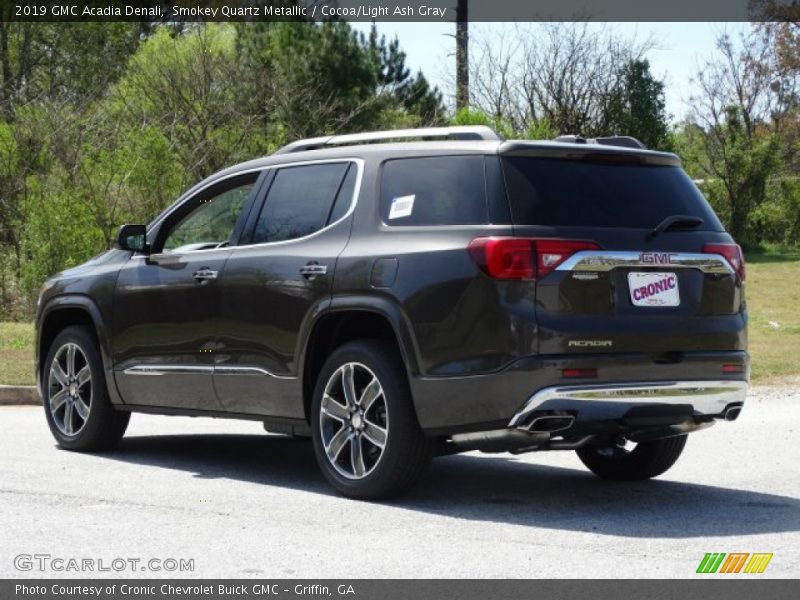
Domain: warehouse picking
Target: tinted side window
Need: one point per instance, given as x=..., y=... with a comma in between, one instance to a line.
x=299, y=201
x=548, y=191
x=437, y=190
x=212, y=222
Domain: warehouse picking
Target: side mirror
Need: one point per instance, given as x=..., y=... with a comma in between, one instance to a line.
x=133, y=238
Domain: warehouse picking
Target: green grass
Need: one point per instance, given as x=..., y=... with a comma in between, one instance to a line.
x=16, y=353
x=773, y=296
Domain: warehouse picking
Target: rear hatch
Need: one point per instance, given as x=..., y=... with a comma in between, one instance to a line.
x=630, y=256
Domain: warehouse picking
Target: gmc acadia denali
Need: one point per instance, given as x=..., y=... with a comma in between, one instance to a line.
x=397, y=295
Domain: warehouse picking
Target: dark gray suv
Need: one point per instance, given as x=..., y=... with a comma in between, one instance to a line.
x=398, y=300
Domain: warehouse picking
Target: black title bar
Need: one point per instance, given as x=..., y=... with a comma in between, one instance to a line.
x=400, y=10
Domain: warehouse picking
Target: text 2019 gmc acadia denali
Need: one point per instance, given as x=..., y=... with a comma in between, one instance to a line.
x=402, y=299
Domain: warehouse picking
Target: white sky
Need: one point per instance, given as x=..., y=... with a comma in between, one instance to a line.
x=681, y=48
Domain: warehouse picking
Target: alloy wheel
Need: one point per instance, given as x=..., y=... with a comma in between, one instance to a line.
x=354, y=420
x=69, y=389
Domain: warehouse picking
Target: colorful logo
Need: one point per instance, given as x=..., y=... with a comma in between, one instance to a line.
x=734, y=562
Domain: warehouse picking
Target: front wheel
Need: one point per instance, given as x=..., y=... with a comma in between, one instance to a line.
x=76, y=402
x=366, y=436
x=627, y=462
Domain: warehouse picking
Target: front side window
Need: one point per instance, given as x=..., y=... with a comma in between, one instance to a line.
x=211, y=223
x=435, y=190
x=302, y=200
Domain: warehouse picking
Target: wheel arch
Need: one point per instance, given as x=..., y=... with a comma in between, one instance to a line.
x=341, y=322
x=66, y=311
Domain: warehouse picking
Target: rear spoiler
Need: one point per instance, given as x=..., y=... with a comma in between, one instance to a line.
x=587, y=150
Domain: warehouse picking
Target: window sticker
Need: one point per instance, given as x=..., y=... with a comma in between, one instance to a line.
x=402, y=206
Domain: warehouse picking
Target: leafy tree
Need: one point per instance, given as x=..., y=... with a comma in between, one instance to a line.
x=315, y=78
x=47, y=72
x=739, y=115
x=414, y=94
x=566, y=74
x=189, y=86
x=103, y=123
x=58, y=233
x=540, y=130
x=74, y=62
x=637, y=107
x=736, y=168
x=310, y=78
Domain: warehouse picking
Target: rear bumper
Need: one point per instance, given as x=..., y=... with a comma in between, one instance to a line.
x=634, y=401
x=450, y=405
x=569, y=417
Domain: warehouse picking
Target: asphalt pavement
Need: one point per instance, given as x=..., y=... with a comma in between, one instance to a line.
x=241, y=503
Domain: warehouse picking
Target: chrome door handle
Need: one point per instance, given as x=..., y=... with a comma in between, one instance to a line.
x=313, y=269
x=204, y=274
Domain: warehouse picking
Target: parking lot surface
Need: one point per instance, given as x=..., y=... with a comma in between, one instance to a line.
x=242, y=503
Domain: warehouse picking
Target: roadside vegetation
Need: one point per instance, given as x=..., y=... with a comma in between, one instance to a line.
x=107, y=123
x=16, y=354
x=773, y=299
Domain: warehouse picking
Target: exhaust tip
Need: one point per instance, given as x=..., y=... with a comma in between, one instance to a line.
x=732, y=413
x=551, y=423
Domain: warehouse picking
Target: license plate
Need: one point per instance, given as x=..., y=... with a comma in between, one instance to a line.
x=654, y=289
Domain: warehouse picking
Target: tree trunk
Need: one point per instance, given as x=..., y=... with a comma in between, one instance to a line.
x=462, y=55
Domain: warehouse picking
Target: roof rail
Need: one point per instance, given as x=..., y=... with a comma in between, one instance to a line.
x=624, y=141
x=472, y=132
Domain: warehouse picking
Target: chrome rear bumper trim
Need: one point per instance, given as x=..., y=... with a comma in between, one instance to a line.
x=706, y=397
x=606, y=260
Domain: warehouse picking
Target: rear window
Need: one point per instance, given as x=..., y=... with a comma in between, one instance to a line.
x=546, y=191
x=436, y=190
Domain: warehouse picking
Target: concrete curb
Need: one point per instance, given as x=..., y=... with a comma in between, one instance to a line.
x=18, y=395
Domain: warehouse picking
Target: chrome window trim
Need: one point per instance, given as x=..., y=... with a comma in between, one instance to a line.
x=155, y=370
x=351, y=209
x=427, y=228
x=353, y=202
x=606, y=260
x=182, y=200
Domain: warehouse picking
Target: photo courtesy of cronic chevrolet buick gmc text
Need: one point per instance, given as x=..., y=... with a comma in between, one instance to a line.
x=398, y=295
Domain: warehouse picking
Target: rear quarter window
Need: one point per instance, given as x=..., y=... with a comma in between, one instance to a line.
x=583, y=193
x=436, y=190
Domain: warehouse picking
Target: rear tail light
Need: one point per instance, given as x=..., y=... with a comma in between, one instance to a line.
x=732, y=253
x=733, y=368
x=523, y=258
x=504, y=258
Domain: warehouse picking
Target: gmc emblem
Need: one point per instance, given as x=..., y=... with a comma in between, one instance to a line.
x=657, y=258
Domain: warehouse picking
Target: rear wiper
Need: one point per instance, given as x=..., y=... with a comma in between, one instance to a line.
x=676, y=221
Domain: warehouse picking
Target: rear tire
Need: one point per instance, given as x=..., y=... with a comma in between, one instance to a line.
x=366, y=437
x=646, y=460
x=76, y=403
